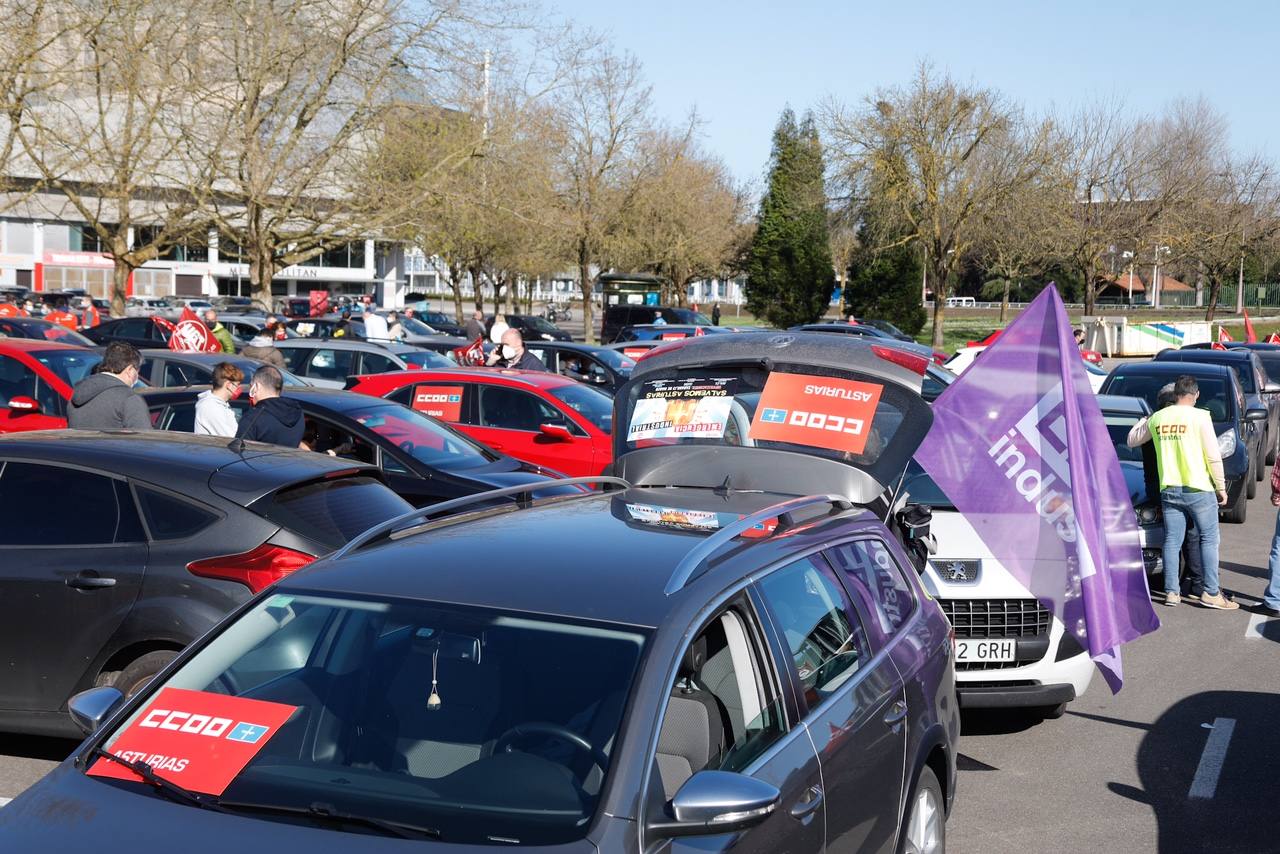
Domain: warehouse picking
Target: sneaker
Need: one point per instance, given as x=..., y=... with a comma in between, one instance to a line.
x=1172, y=599
x=1219, y=602
x=1266, y=610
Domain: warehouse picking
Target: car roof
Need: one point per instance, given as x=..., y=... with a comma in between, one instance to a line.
x=472, y=559
x=336, y=399
x=579, y=346
x=533, y=379
x=29, y=344
x=330, y=344
x=1204, y=355
x=1175, y=367
x=1120, y=404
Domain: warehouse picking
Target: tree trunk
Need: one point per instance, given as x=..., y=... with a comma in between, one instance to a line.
x=1090, y=289
x=455, y=285
x=477, y=290
x=585, y=286
x=941, y=287
x=1004, y=301
x=119, y=287
x=1215, y=289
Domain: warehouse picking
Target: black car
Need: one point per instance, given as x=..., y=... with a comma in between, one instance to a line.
x=617, y=317
x=41, y=330
x=423, y=460
x=1259, y=391
x=141, y=332
x=871, y=333
x=119, y=549
x=533, y=328
x=169, y=369
x=886, y=327
x=438, y=321
x=1238, y=428
x=605, y=368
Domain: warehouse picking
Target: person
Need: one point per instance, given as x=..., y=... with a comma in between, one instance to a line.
x=375, y=326
x=475, y=325
x=30, y=308
x=1193, y=582
x=1079, y=336
x=263, y=348
x=342, y=329
x=395, y=329
x=8, y=309
x=89, y=316
x=274, y=419
x=659, y=321
x=715, y=314
x=214, y=416
x=512, y=354
x=105, y=400
x=219, y=332
x=1190, y=467
x=1270, y=604
x=62, y=317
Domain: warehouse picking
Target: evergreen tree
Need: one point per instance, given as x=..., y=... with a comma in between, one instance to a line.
x=789, y=274
x=886, y=285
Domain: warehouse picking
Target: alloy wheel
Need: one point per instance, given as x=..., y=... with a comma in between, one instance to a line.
x=924, y=833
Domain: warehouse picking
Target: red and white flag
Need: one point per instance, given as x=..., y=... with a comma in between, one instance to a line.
x=1249, y=334
x=1223, y=336
x=1273, y=338
x=472, y=354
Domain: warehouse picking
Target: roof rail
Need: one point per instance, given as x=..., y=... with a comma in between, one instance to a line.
x=701, y=553
x=387, y=527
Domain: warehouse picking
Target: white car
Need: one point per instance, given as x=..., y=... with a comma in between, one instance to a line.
x=966, y=356
x=1010, y=650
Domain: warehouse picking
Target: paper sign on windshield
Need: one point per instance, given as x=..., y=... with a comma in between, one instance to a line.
x=439, y=401
x=674, y=517
x=199, y=741
x=821, y=412
x=677, y=409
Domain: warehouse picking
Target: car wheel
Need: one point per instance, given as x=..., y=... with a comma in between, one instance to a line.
x=1271, y=449
x=1238, y=511
x=1262, y=466
x=926, y=826
x=140, y=671
x=1251, y=488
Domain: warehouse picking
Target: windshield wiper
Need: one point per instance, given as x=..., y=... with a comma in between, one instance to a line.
x=149, y=776
x=327, y=812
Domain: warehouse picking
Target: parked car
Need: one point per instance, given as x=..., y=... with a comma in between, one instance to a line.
x=616, y=317
x=148, y=306
x=541, y=418
x=36, y=379
x=40, y=330
x=119, y=549
x=887, y=328
x=247, y=326
x=865, y=331
x=667, y=332
x=604, y=368
x=141, y=332
x=754, y=668
x=1238, y=428
x=328, y=363
x=423, y=460
x=438, y=321
x=167, y=369
x=416, y=332
x=634, y=349
x=533, y=328
x=1259, y=391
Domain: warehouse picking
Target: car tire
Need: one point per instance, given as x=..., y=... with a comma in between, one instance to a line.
x=925, y=829
x=1262, y=465
x=1251, y=488
x=1236, y=515
x=134, y=677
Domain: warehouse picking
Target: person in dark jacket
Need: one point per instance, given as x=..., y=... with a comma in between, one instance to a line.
x=512, y=354
x=263, y=348
x=715, y=314
x=273, y=419
x=105, y=400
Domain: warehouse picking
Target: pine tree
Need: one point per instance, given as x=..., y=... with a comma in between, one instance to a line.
x=885, y=285
x=789, y=274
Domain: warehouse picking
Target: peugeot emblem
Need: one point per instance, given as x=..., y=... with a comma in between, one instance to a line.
x=956, y=571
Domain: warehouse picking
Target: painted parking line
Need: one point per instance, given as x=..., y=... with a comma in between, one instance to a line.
x=4, y=801
x=1253, y=631
x=1205, y=783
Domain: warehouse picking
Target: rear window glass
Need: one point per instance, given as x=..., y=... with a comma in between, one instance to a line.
x=171, y=518
x=332, y=512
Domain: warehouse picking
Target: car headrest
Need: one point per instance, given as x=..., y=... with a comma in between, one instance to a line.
x=694, y=657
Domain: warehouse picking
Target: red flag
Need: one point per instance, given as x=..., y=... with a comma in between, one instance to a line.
x=1216, y=346
x=187, y=314
x=167, y=326
x=472, y=354
x=1273, y=338
x=1223, y=337
x=1248, y=330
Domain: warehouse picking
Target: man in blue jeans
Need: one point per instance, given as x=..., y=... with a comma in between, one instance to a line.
x=1271, y=599
x=1192, y=486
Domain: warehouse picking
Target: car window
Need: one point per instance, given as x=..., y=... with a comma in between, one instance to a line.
x=876, y=581
x=170, y=518
x=511, y=409
x=71, y=366
x=819, y=625
x=375, y=363
x=16, y=380
x=176, y=374
x=324, y=437
x=134, y=327
x=331, y=512
x=327, y=364
x=296, y=357
x=590, y=403
x=55, y=506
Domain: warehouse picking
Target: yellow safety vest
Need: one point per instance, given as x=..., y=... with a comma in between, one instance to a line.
x=1180, y=452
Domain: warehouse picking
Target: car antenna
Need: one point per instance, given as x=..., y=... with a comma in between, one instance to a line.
x=725, y=488
x=236, y=445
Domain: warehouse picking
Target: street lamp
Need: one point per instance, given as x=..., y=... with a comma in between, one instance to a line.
x=1128, y=256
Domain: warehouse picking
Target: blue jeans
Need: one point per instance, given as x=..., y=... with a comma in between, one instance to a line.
x=1180, y=505
x=1272, y=597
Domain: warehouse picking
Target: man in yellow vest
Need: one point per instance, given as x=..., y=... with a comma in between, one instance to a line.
x=1191, y=476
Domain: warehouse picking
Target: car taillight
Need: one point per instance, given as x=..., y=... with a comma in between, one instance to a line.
x=255, y=569
x=665, y=347
x=910, y=361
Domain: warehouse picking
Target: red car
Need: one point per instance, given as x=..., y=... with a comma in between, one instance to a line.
x=537, y=417
x=36, y=378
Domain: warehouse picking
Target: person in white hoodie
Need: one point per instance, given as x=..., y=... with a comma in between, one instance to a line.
x=213, y=407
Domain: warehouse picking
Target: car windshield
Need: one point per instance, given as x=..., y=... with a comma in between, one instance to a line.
x=538, y=324
x=590, y=403
x=426, y=359
x=71, y=366
x=41, y=330
x=426, y=440
x=685, y=315
x=1137, y=464
x=1270, y=363
x=620, y=362
x=416, y=327
x=1214, y=396
x=476, y=726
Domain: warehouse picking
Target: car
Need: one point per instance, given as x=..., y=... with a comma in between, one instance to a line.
x=864, y=331
x=886, y=327
x=169, y=369
x=766, y=656
x=604, y=368
x=142, y=332
x=36, y=380
x=536, y=416
x=40, y=330
x=935, y=382
x=148, y=306
x=1239, y=433
x=197, y=304
x=616, y=317
x=423, y=460
x=634, y=349
x=328, y=363
x=437, y=321
x=417, y=332
x=1259, y=390
x=239, y=305
x=533, y=328
x=666, y=332
x=248, y=325
x=118, y=549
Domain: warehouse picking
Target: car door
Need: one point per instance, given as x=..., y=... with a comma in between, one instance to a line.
x=852, y=701
x=510, y=420
x=72, y=559
x=377, y=363
x=20, y=380
x=329, y=367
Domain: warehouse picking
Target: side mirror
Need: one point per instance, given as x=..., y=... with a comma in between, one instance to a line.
x=1250, y=415
x=1271, y=388
x=90, y=708
x=22, y=403
x=713, y=802
x=559, y=432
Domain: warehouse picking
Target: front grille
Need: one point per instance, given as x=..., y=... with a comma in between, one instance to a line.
x=996, y=618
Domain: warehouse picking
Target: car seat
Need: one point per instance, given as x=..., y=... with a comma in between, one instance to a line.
x=693, y=730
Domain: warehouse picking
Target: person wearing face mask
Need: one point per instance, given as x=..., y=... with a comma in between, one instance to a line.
x=105, y=400
x=512, y=354
x=213, y=407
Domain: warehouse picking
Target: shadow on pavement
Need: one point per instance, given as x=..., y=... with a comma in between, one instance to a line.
x=36, y=747
x=998, y=721
x=1259, y=572
x=1238, y=815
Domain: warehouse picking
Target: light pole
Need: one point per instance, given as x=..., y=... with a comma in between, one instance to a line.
x=1127, y=255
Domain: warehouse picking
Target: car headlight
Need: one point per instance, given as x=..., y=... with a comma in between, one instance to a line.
x=1148, y=514
x=1227, y=443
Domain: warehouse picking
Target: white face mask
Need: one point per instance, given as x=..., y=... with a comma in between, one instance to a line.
x=508, y=352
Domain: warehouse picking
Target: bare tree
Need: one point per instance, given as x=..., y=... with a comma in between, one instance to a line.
x=1015, y=238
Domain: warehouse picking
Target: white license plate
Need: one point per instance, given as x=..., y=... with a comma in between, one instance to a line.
x=985, y=650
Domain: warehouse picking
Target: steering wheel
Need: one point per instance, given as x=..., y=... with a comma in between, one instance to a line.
x=555, y=731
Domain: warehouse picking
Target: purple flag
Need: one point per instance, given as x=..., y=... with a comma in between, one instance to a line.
x=1019, y=445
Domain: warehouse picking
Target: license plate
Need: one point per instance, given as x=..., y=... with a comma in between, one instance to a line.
x=985, y=650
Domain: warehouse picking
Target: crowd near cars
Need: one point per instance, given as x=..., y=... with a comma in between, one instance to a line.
x=608, y=605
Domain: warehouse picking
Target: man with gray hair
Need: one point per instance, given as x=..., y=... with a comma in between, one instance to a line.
x=273, y=419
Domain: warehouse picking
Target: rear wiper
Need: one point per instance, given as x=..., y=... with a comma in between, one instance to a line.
x=327, y=812
x=149, y=776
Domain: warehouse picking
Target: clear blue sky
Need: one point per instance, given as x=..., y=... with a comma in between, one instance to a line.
x=738, y=63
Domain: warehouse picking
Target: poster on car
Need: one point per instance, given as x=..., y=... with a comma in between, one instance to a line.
x=821, y=412
x=439, y=401
x=684, y=408
x=674, y=517
x=200, y=741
